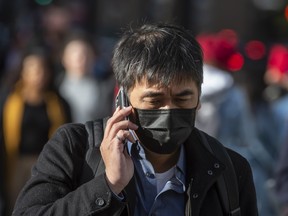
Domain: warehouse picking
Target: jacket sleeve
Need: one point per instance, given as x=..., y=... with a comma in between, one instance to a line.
x=53, y=187
x=247, y=193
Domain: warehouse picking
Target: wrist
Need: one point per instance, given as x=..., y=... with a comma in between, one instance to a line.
x=115, y=188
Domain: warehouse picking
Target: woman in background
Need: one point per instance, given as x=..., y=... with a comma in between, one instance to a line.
x=31, y=110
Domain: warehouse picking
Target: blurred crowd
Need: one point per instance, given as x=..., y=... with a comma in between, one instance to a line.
x=245, y=105
x=54, y=71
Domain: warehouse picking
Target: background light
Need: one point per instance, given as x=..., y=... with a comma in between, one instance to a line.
x=255, y=50
x=43, y=2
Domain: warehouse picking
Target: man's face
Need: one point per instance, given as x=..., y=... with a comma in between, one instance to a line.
x=154, y=96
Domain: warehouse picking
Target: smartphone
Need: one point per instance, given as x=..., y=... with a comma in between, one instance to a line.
x=121, y=99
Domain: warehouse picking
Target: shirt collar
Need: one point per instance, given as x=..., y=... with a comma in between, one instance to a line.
x=137, y=151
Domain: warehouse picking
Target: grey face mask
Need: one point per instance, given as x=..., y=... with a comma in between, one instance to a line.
x=163, y=130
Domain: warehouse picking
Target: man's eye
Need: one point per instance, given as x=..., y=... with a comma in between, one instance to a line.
x=181, y=100
x=153, y=102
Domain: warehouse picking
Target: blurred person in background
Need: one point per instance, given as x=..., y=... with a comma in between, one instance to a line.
x=58, y=19
x=266, y=124
x=226, y=108
x=281, y=188
x=276, y=77
x=31, y=110
x=49, y=22
x=219, y=88
x=88, y=97
x=3, y=194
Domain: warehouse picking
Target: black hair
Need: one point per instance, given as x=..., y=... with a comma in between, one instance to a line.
x=33, y=49
x=160, y=53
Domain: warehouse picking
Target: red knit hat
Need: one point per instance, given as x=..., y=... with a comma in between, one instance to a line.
x=221, y=49
x=278, y=59
x=277, y=66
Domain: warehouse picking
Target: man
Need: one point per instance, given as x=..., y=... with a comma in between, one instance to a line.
x=154, y=161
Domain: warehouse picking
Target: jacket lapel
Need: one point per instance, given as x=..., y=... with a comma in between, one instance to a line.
x=202, y=170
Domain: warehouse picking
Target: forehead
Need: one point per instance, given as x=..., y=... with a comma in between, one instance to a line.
x=143, y=85
x=76, y=46
x=32, y=59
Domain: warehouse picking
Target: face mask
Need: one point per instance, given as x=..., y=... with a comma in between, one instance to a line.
x=163, y=131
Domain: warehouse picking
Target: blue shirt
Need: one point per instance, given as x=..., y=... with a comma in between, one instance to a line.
x=168, y=201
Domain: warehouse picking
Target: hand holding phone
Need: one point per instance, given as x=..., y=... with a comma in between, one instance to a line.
x=119, y=134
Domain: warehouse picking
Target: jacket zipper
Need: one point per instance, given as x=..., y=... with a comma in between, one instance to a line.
x=188, y=211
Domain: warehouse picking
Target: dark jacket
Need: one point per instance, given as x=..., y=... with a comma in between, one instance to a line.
x=54, y=187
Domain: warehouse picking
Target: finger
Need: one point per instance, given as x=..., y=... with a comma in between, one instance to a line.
x=121, y=140
x=126, y=135
x=130, y=137
x=124, y=138
x=118, y=115
x=122, y=125
x=122, y=113
x=116, y=110
x=122, y=135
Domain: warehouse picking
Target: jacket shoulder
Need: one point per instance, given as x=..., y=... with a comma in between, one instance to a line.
x=237, y=159
x=241, y=165
x=71, y=137
x=72, y=130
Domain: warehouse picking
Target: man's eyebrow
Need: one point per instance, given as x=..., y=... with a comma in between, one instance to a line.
x=152, y=94
x=185, y=93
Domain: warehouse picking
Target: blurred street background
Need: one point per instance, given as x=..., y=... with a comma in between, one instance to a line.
x=55, y=68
